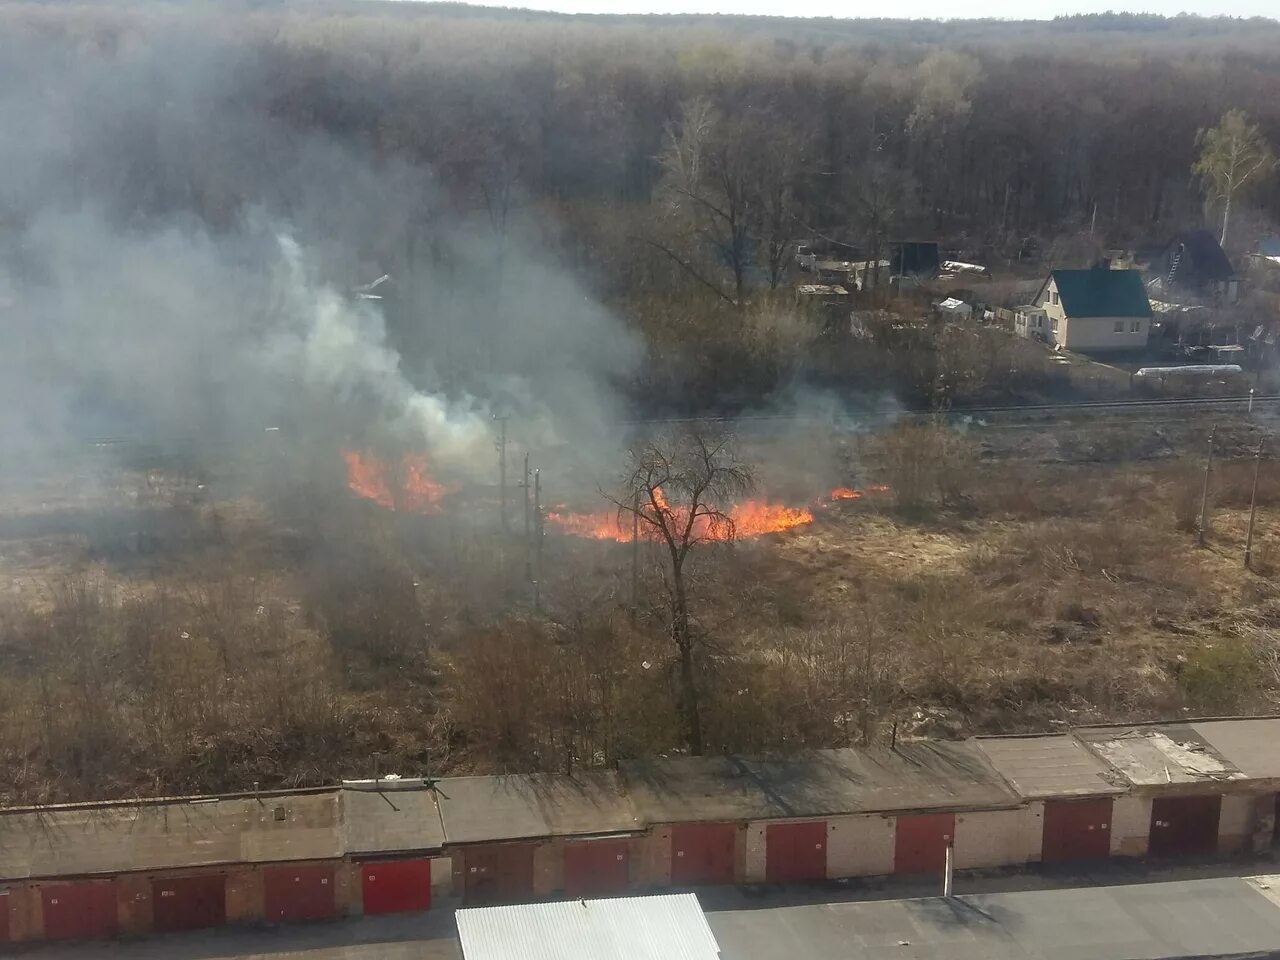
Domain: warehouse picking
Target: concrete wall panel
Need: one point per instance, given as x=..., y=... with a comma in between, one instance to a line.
x=1130, y=826
x=754, y=844
x=548, y=868
x=998, y=838
x=245, y=902
x=441, y=877
x=1236, y=823
x=651, y=859
x=860, y=846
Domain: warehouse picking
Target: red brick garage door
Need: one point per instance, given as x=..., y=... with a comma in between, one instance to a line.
x=396, y=886
x=303, y=892
x=4, y=916
x=79, y=911
x=703, y=853
x=1076, y=830
x=498, y=873
x=595, y=867
x=1184, y=826
x=920, y=842
x=795, y=852
x=189, y=903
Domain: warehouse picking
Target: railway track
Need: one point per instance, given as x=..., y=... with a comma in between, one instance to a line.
x=1037, y=411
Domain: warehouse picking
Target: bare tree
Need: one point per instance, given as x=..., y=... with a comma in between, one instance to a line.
x=679, y=486
x=879, y=198
x=710, y=200
x=1233, y=156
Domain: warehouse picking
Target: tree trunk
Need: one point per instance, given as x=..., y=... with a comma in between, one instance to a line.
x=688, y=670
x=1226, y=219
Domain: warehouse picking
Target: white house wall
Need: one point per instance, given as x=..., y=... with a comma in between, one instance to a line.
x=860, y=846
x=995, y=838
x=1098, y=333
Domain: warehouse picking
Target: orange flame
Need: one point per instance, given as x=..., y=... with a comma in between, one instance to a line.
x=750, y=518
x=846, y=493
x=366, y=477
x=411, y=487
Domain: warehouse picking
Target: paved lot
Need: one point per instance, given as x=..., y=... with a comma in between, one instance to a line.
x=1144, y=911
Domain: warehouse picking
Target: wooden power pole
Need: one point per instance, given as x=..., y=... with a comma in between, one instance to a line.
x=1253, y=505
x=502, y=467
x=1204, y=491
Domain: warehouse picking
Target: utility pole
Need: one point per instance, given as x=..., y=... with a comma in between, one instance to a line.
x=635, y=556
x=1253, y=506
x=1204, y=492
x=948, y=868
x=528, y=547
x=537, y=541
x=502, y=466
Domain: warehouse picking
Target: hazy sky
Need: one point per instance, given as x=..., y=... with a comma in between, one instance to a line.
x=1012, y=9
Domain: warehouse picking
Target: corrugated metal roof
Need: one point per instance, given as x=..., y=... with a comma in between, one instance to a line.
x=1154, y=755
x=475, y=809
x=1050, y=766
x=1252, y=745
x=670, y=927
x=1178, y=919
x=916, y=775
x=382, y=821
x=77, y=840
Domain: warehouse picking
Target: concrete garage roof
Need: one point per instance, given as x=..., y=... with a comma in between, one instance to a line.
x=667, y=927
x=1158, y=921
x=1251, y=744
x=1050, y=766
x=916, y=775
x=1159, y=754
x=524, y=806
x=383, y=821
x=83, y=839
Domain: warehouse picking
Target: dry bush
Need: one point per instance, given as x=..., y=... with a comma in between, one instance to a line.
x=1233, y=484
x=829, y=684
x=525, y=696
x=926, y=466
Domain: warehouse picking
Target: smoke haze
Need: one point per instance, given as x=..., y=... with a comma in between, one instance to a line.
x=135, y=306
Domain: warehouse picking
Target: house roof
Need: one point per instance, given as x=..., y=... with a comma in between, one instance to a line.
x=668, y=927
x=1252, y=744
x=914, y=775
x=1158, y=755
x=523, y=806
x=383, y=821
x=87, y=839
x=1202, y=257
x=1050, y=766
x=1097, y=292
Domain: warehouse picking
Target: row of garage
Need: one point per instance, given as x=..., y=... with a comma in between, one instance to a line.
x=99, y=870
x=286, y=893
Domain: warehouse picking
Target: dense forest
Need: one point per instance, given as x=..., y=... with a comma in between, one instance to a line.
x=669, y=164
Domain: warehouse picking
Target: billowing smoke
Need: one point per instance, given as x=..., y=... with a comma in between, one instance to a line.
x=176, y=262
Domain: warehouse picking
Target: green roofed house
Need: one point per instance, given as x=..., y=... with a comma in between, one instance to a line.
x=1095, y=310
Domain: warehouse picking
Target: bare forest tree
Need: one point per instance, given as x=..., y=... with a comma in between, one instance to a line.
x=679, y=487
x=879, y=197
x=1234, y=156
x=731, y=208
